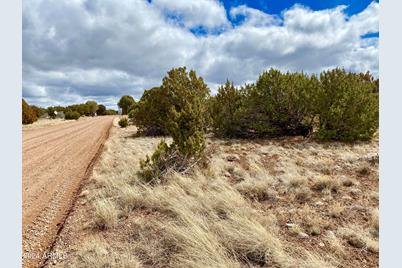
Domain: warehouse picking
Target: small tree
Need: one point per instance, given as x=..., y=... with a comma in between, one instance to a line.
x=348, y=108
x=92, y=107
x=223, y=110
x=28, y=114
x=125, y=103
x=282, y=104
x=186, y=119
x=150, y=113
x=101, y=109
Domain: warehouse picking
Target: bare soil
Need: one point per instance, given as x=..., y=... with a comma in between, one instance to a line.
x=55, y=161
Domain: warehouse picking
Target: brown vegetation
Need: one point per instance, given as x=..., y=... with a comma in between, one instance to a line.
x=262, y=203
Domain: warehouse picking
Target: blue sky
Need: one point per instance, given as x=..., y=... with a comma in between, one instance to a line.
x=74, y=51
x=277, y=6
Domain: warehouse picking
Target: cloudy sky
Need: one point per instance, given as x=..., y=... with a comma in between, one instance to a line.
x=77, y=50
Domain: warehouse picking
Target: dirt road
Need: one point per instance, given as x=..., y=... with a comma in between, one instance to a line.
x=56, y=159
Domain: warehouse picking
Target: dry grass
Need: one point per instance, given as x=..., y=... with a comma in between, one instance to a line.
x=105, y=214
x=96, y=252
x=265, y=204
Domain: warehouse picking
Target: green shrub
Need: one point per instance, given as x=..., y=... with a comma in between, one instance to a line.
x=224, y=108
x=51, y=111
x=101, y=110
x=72, y=115
x=186, y=120
x=125, y=103
x=110, y=112
x=123, y=122
x=92, y=107
x=154, y=167
x=150, y=113
x=28, y=114
x=282, y=104
x=348, y=107
x=186, y=96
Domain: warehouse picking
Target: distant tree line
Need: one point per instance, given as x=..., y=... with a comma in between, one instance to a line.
x=31, y=113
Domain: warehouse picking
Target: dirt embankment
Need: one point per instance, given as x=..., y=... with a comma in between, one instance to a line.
x=55, y=161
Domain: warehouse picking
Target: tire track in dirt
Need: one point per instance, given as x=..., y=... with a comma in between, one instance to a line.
x=55, y=161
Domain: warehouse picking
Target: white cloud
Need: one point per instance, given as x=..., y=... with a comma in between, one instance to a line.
x=76, y=50
x=206, y=13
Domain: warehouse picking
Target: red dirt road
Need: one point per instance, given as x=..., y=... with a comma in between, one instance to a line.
x=56, y=159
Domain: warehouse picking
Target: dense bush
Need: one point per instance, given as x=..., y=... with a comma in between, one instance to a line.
x=186, y=96
x=150, y=113
x=92, y=107
x=347, y=107
x=337, y=105
x=71, y=115
x=278, y=104
x=123, y=122
x=282, y=104
x=101, y=110
x=28, y=114
x=224, y=111
x=39, y=111
x=125, y=103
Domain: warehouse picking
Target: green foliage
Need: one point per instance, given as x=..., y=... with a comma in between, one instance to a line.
x=123, y=122
x=110, y=112
x=28, y=114
x=186, y=120
x=186, y=97
x=152, y=168
x=51, y=111
x=71, y=115
x=224, y=108
x=338, y=105
x=39, y=111
x=282, y=104
x=125, y=103
x=348, y=107
x=101, y=110
x=92, y=107
x=150, y=113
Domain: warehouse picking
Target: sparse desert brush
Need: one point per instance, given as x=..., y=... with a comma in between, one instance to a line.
x=363, y=170
x=96, y=252
x=302, y=194
x=310, y=220
x=213, y=216
x=334, y=243
x=336, y=210
x=123, y=122
x=348, y=182
x=105, y=213
x=374, y=222
x=325, y=183
x=359, y=238
x=296, y=182
x=257, y=190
